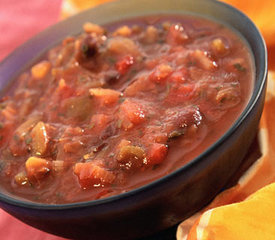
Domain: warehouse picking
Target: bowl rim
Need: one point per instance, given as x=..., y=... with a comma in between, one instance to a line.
x=256, y=93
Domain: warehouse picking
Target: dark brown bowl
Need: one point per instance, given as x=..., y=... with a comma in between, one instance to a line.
x=171, y=199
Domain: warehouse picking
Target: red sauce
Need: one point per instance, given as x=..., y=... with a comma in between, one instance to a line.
x=109, y=111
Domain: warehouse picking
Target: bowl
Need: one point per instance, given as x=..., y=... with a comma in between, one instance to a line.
x=173, y=198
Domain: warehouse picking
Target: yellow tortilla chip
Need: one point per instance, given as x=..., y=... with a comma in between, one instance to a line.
x=71, y=7
x=251, y=219
x=261, y=13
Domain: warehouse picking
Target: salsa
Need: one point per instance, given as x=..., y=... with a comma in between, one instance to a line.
x=119, y=106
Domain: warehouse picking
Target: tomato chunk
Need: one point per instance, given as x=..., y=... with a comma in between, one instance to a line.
x=99, y=122
x=123, y=65
x=157, y=153
x=132, y=111
x=180, y=76
x=90, y=174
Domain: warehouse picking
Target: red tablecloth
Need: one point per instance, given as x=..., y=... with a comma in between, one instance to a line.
x=20, y=20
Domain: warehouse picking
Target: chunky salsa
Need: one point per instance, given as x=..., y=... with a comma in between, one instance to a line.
x=119, y=106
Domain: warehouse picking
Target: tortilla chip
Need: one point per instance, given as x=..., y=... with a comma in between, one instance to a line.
x=71, y=7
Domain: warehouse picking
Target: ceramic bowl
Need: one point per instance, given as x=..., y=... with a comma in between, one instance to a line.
x=171, y=199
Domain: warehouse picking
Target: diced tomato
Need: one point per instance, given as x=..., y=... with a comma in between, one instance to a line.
x=90, y=174
x=186, y=90
x=123, y=65
x=132, y=111
x=179, y=76
x=161, y=73
x=99, y=122
x=157, y=153
x=151, y=63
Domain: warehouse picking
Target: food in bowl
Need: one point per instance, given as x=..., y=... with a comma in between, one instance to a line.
x=117, y=107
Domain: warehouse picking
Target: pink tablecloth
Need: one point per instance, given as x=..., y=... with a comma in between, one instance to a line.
x=20, y=20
